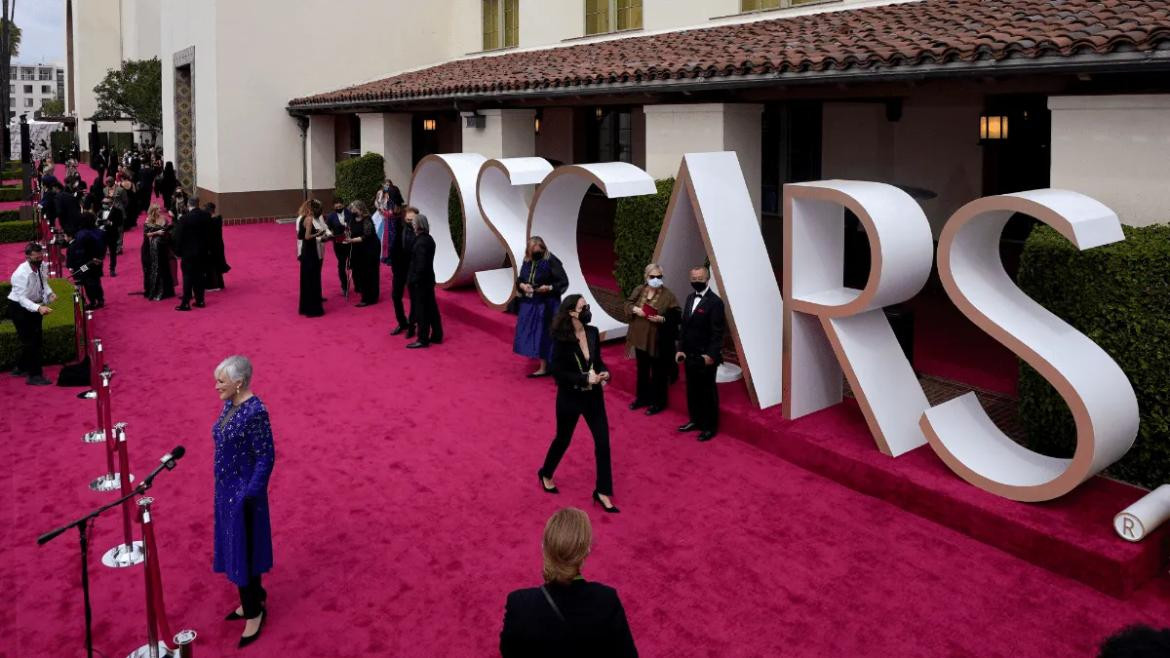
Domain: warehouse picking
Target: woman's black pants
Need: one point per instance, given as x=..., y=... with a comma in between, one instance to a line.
x=252, y=597
x=652, y=379
x=571, y=405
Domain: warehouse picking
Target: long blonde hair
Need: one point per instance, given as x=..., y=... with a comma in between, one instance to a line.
x=154, y=215
x=567, y=540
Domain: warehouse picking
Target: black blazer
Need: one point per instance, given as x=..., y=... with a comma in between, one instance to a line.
x=701, y=332
x=333, y=221
x=68, y=212
x=401, y=244
x=568, y=361
x=191, y=234
x=595, y=623
x=422, y=261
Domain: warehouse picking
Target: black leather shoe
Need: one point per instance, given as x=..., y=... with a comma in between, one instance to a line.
x=38, y=380
x=654, y=409
x=637, y=404
x=182, y=307
x=706, y=435
x=689, y=427
x=410, y=331
x=418, y=344
x=200, y=305
x=397, y=330
x=362, y=304
x=17, y=372
x=437, y=341
x=245, y=640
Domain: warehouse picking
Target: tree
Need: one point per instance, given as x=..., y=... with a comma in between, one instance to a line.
x=13, y=40
x=9, y=44
x=52, y=107
x=132, y=92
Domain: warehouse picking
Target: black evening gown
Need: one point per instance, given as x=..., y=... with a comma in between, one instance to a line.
x=310, y=275
x=160, y=281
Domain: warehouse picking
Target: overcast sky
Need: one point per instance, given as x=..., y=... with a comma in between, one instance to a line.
x=42, y=24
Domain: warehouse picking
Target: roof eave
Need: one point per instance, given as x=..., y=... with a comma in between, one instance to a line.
x=1120, y=62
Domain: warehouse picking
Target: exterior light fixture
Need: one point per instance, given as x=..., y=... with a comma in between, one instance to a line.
x=993, y=127
x=536, y=122
x=429, y=125
x=599, y=113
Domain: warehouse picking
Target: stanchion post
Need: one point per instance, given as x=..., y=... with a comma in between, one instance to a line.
x=124, y=472
x=157, y=625
x=148, y=549
x=107, y=421
x=79, y=324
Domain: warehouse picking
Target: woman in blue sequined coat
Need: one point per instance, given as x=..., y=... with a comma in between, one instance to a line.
x=244, y=456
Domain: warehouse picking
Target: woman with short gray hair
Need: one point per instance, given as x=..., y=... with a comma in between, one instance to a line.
x=244, y=457
x=421, y=279
x=366, y=249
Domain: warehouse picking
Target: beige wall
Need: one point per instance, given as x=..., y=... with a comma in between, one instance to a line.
x=96, y=49
x=933, y=147
x=187, y=24
x=1115, y=149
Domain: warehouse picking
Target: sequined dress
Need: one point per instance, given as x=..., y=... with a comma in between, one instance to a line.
x=244, y=457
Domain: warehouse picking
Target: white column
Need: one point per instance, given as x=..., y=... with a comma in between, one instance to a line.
x=505, y=134
x=322, y=159
x=674, y=130
x=1115, y=149
x=389, y=136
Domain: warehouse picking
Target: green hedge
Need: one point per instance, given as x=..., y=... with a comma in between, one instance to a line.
x=360, y=178
x=1119, y=296
x=59, y=342
x=18, y=231
x=455, y=219
x=9, y=215
x=11, y=194
x=636, y=224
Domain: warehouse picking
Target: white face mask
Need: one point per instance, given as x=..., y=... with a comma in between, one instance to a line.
x=655, y=282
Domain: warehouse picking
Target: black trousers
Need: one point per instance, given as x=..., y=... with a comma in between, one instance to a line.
x=653, y=378
x=342, y=253
x=397, y=291
x=424, y=311
x=571, y=405
x=193, y=280
x=113, y=235
x=252, y=597
x=368, y=284
x=28, y=329
x=92, y=285
x=702, y=396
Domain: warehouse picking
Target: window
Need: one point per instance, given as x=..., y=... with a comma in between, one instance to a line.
x=603, y=16
x=28, y=102
x=28, y=89
x=27, y=74
x=764, y=5
x=46, y=89
x=610, y=137
x=46, y=74
x=500, y=17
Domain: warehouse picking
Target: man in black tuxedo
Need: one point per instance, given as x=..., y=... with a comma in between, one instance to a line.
x=68, y=211
x=700, y=345
x=338, y=221
x=84, y=256
x=191, y=246
x=401, y=248
x=421, y=278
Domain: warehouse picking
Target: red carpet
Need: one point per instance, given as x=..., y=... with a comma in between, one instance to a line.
x=405, y=506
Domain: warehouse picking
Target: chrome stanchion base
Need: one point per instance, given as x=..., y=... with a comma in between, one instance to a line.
x=185, y=643
x=94, y=436
x=143, y=651
x=108, y=482
x=122, y=556
x=88, y=395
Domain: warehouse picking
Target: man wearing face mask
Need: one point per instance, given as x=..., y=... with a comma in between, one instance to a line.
x=700, y=344
x=401, y=247
x=338, y=222
x=28, y=303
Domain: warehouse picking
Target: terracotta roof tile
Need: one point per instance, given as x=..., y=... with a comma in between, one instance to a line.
x=874, y=38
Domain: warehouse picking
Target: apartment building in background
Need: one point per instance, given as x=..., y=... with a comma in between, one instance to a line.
x=33, y=84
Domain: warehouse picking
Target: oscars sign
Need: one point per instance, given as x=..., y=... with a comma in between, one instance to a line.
x=796, y=346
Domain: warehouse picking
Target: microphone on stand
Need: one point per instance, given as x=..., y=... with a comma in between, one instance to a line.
x=167, y=462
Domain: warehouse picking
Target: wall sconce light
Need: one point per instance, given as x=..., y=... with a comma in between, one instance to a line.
x=536, y=122
x=429, y=125
x=993, y=127
x=599, y=113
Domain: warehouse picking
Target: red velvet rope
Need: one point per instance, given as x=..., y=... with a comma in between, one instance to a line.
x=154, y=582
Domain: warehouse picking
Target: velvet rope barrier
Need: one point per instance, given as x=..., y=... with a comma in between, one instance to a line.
x=124, y=473
x=157, y=624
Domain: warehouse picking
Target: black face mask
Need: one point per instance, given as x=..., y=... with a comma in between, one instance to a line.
x=537, y=255
x=699, y=286
x=585, y=315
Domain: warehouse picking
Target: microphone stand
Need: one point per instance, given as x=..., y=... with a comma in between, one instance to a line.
x=83, y=536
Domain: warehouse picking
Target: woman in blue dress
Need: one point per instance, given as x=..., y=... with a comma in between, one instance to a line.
x=541, y=283
x=244, y=456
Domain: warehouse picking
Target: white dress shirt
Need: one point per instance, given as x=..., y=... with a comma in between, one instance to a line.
x=699, y=298
x=30, y=288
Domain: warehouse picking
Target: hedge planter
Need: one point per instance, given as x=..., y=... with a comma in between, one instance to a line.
x=59, y=343
x=17, y=231
x=11, y=194
x=636, y=224
x=9, y=216
x=358, y=179
x=1119, y=296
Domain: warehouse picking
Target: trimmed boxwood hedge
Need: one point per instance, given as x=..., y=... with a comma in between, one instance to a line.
x=455, y=219
x=636, y=224
x=11, y=194
x=59, y=344
x=9, y=215
x=1119, y=296
x=17, y=231
x=360, y=178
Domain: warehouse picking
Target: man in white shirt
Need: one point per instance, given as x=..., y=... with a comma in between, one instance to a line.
x=27, y=304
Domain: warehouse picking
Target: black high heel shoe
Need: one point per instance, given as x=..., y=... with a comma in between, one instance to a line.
x=609, y=509
x=245, y=641
x=234, y=616
x=545, y=489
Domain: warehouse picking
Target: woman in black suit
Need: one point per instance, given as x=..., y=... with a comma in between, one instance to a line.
x=580, y=373
x=567, y=616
